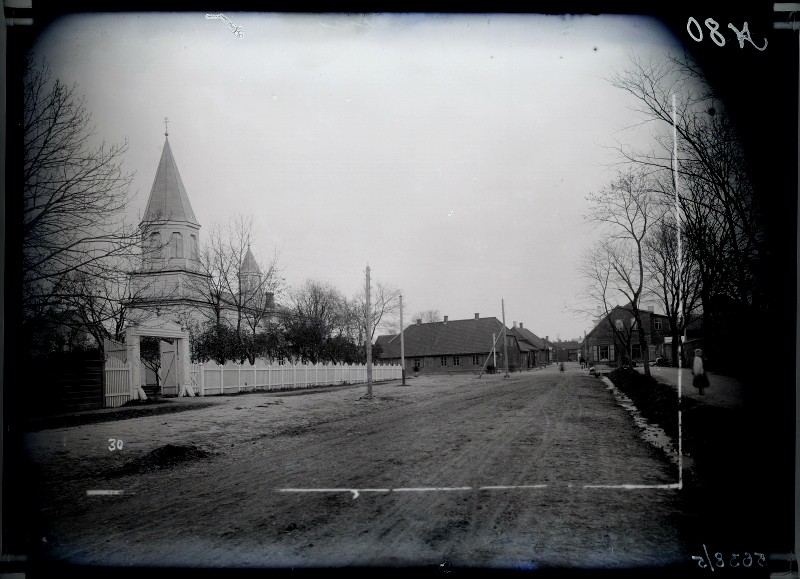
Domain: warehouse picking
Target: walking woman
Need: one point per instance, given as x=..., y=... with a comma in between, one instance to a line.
x=700, y=380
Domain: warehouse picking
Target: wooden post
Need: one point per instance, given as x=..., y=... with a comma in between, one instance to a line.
x=494, y=352
x=505, y=341
x=368, y=336
x=402, y=345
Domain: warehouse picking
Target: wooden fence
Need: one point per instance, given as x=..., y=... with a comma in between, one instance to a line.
x=210, y=378
x=117, y=388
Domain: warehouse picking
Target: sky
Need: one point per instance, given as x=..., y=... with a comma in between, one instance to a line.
x=450, y=153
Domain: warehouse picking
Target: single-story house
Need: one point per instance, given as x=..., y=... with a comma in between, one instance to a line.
x=452, y=346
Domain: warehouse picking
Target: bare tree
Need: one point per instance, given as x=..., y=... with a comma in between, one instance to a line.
x=721, y=221
x=232, y=298
x=674, y=279
x=384, y=306
x=626, y=212
x=217, y=272
x=316, y=312
x=102, y=303
x=74, y=197
x=601, y=296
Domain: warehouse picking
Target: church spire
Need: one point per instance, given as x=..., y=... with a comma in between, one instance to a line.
x=249, y=265
x=168, y=199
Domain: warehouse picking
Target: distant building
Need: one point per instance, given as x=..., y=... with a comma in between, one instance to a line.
x=616, y=337
x=453, y=346
x=566, y=351
x=539, y=352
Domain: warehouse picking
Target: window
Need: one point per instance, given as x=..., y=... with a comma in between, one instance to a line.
x=476, y=360
x=193, y=249
x=619, y=325
x=456, y=360
x=633, y=323
x=657, y=324
x=176, y=245
x=417, y=363
x=604, y=353
x=636, y=352
x=154, y=246
x=443, y=361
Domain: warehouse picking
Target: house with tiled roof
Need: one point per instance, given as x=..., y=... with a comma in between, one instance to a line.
x=615, y=337
x=538, y=353
x=453, y=346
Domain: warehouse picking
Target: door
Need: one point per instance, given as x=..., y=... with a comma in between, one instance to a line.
x=169, y=368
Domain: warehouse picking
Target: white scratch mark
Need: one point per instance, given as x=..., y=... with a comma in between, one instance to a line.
x=634, y=487
x=238, y=31
x=99, y=493
x=430, y=489
x=506, y=487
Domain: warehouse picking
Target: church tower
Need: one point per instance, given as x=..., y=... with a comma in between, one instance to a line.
x=249, y=274
x=170, y=234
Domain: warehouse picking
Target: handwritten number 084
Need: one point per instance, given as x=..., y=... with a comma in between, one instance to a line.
x=696, y=32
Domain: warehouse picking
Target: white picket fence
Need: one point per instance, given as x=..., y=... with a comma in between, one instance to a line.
x=116, y=388
x=210, y=378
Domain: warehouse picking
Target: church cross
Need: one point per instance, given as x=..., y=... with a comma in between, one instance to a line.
x=166, y=127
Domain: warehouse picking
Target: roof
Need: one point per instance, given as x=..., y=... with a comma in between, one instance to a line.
x=627, y=308
x=526, y=339
x=168, y=200
x=571, y=345
x=382, y=341
x=445, y=338
x=531, y=338
x=249, y=264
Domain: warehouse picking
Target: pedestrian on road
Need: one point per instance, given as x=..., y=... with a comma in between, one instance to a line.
x=700, y=380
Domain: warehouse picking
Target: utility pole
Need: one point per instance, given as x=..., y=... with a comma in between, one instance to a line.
x=402, y=344
x=368, y=325
x=505, y=341
x=494, y=352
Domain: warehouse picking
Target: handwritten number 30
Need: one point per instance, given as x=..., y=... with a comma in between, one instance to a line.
x=696, y=32
x=114, y=444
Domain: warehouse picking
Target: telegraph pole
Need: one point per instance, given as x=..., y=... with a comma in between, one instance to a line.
x=402, y=344
x=505, y=341
x=369, y=341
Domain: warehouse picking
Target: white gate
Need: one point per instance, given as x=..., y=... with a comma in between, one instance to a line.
x=168, y=372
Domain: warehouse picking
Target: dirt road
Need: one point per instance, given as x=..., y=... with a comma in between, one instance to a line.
x=429, y=460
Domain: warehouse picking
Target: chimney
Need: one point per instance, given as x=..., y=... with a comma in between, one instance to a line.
x=445, y=319
x=419, y=321
x=547, y=338
x=477, y=316
x=520, y=325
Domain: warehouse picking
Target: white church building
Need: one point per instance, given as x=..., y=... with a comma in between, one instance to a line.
x=170, y=281
x=168, y=287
